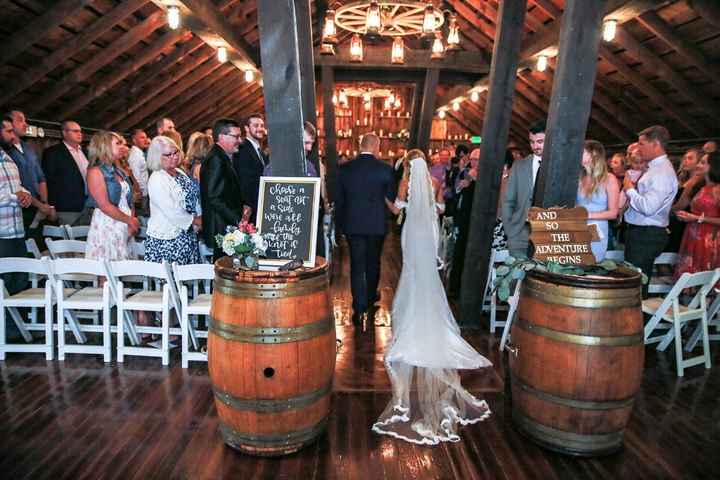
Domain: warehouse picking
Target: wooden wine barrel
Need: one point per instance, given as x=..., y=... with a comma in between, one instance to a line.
x=577, y=359
x=271, y=357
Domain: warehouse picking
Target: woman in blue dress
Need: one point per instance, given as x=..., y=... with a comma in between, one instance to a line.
x=599, y=193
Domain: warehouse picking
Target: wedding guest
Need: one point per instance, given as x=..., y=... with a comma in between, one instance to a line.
x=700, y=247
x=165, y=125
x=113, y=224
x=13, y=198
x=250, y=161
x=688, y=164
x=618, y=166
x=309, y=137
x=174, y=207
x=465, y=194
x=710, y=146
x=519, y=193
x=687, y=177
x=599, y=193
x=650, y=199
x=221, y=196
x=125, y=167
x=177, y=138
x=199, y=146
x=138, y=165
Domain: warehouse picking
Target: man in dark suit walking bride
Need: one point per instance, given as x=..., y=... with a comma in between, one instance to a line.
x=363, y=186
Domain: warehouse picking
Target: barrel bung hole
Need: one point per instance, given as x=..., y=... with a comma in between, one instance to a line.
x=269, y=372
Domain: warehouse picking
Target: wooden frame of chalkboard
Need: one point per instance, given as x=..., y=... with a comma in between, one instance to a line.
x=280, y=218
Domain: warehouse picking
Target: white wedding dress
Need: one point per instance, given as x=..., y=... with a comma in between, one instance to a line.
x=426, y=350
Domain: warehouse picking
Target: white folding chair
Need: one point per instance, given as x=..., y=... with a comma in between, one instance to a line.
x=615, y=255
x=73, y=249
x=85, y=298
x=195, y=304
x=713, y=316
x=53, y=231
x=512, y=311
x=670, y=309
x=145, y=300
x=34, y=298
x=77, y=233
x=32, y=248
x=490, y=301
x=662, y=282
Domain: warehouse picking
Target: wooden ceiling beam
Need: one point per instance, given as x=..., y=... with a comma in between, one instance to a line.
x=123, y=43
x=79, y=42
x=219, y=102
x=208, y=87
x=548, y=7
x=480, y=23
x=655, y=95
x=31, y=32
x=655, y=24
x=152, y=107
x=140, y=100
x=653, y=62
x=99, y=87
x=709, y=10
x=207, y=21
x=378, y=57
x=242, y=98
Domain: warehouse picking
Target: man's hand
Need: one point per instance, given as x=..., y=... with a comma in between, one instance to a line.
x=628, y=183
x=24, y=198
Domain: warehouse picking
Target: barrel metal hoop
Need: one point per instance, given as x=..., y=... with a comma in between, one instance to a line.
x=582, y=443
x=572, y=402
x=588, y=340
x=578, y=297
x=269, y=335
x=239, y=439
x=272, y=405
x=270, y=290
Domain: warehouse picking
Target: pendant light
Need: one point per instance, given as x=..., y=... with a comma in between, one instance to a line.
x=356, y=48
x=397, y=55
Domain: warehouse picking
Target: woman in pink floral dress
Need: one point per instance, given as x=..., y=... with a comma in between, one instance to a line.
x=113, y=224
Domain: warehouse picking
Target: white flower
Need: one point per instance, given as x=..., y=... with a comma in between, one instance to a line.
x=228, y=246
x=259, y=242
x=238, y=237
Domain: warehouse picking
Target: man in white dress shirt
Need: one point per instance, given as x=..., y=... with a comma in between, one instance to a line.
x=649, y=201
x=519, y=193
x=138, y=165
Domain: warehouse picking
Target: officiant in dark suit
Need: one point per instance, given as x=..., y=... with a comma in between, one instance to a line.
x=363, y=186
x=250, y=161
x=220, y=191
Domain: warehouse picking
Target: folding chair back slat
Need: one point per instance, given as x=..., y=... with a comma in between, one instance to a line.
x=54, y=231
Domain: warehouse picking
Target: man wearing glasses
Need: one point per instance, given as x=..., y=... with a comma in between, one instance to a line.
x=223, y=203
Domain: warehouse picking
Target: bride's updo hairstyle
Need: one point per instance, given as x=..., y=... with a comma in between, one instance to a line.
x=412, y=154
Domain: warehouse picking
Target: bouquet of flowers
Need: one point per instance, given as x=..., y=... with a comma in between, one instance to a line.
x=244, y=244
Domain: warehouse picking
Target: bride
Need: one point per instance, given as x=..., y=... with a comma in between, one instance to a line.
x=426, y=350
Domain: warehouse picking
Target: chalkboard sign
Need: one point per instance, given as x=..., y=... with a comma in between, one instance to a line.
x=288, y=218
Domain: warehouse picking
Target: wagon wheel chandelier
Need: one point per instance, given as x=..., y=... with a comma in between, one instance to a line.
x=389, y=18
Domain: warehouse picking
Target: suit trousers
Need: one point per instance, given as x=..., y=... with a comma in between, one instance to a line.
x=642, y=246
x=365, y=252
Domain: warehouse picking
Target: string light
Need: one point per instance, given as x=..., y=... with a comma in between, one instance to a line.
x=474, y=96
x=542, y=62
x=173, y=14
x=249, y=76
x=609, y=30
x=441, y=114
x=456, y=106
x=222, y=54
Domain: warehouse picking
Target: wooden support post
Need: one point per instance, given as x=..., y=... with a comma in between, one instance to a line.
x=328, y=86
x=307, y=72
x=496, y=125
x=427, y=110
x=570, y=103
x=279, y=50
x=415, y=106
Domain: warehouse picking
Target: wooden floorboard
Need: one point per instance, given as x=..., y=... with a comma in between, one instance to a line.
x=82, y=419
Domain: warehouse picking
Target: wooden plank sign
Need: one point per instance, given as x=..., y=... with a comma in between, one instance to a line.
x=562, y=235
x=288, y=218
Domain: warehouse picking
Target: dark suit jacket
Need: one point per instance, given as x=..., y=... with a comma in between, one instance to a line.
x=363, y=186
x=249, y=168
x=220, y=194
x=66, y=187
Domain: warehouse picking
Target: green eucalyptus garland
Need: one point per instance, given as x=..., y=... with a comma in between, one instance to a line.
x=516, y=268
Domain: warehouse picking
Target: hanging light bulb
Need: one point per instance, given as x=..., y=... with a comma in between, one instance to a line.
x=173, y=15
x=334, y=99
x=249, y=76
x=397, y=102
x=456, y=106
x=356, y=48
x=453, y=38
x=438, y=49
x=474, y=96
x=222, y=54
x=429, y=20
x=329, y=34
x=542, y=62
x=609, y=30
x=372, y=18
x=342, y=98
x=441, y=114
x=397, y=54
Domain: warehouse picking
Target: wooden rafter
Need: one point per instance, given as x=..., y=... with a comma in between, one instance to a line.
x=207, y=88
x=708, y=9
x=124, y=43
x=70, y=48
x=226, y=96
x=377, y=57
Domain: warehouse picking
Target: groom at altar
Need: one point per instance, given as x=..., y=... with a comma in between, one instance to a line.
x=363, y=186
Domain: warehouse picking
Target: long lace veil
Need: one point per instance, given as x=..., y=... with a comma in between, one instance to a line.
x=427, y=348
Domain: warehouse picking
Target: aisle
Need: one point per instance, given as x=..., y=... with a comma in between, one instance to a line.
x=82, y=419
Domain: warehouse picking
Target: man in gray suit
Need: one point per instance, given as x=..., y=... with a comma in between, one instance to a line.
x=519, y=193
